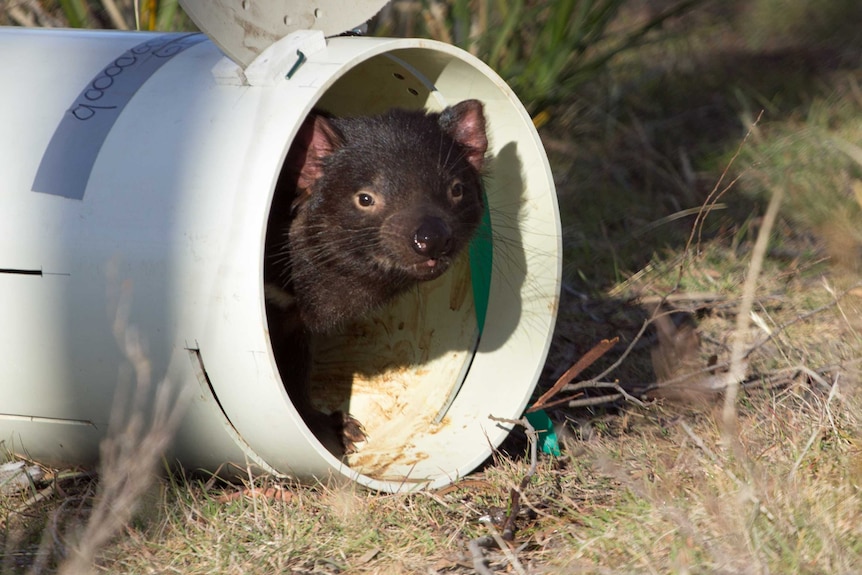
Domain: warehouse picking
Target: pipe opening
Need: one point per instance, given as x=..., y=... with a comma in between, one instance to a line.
x=398, y=370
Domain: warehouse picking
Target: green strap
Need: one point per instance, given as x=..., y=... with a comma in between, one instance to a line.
x=481, y=259
x=548, y=440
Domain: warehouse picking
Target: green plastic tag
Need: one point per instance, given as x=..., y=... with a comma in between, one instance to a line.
x=548, y=440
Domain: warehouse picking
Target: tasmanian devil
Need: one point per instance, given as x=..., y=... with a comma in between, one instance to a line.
x=366, y=208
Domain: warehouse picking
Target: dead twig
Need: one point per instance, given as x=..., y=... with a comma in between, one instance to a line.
x=593, y=384
x=714, y=196
x=572, y=401
x=515, y=494
x=782, y=376
x=836, y=299
x=833, y=392
x=134, y=446
x=586, y=361
x=476, y=546
x=627, y=351
x=501, y=542
x=676, y=298
x=738, y=363
x=589, y=401
x=596, y=382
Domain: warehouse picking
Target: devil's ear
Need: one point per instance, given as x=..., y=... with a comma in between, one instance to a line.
x=465, y=123
x=317, y=138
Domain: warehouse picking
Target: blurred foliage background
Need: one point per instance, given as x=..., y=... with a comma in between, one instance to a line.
x=165, y=15
x=646, y=108
x=543, y=49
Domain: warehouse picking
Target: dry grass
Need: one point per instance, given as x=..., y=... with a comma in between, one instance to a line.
x=662, y=488
x=651, y=489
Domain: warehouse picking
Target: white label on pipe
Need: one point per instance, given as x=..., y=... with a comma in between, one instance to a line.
x=69, y=158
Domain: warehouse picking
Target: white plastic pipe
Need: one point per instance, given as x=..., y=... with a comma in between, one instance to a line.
x=141, y=161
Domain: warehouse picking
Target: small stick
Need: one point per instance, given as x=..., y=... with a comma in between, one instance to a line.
x=504, y=547
x=515, y=493
x=475, y=546
x=816, y=433
x=802, y=317
x=738, y=364
x=586, y=361
x=713, y=197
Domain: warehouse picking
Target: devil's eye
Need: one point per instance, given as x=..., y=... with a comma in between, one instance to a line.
x=364, y=200
x=456, y=190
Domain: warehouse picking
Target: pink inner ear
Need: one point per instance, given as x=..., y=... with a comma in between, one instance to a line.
x=470, y=132
x=316, y=140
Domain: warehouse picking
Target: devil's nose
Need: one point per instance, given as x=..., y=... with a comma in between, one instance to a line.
x=433, y=238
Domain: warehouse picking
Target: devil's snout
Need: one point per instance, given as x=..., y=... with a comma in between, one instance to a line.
x=433, y=238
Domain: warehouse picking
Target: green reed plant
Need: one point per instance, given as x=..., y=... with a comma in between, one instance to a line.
x=119, y=14
x=544, y=49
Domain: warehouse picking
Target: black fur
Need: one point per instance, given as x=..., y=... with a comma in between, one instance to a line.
x=377, y=204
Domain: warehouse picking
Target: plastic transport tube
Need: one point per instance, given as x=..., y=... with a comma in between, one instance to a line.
x=146, y=164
